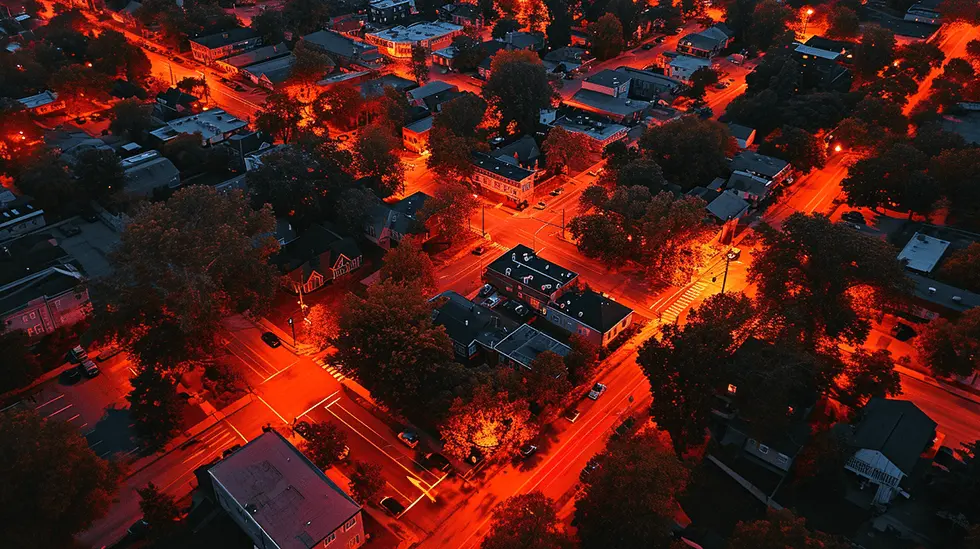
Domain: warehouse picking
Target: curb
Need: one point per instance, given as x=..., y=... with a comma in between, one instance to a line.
x=929, y=380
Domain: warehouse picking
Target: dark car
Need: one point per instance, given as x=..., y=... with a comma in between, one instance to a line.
x=486, y=290
x=230, y=451
x=90, y=368
x=438, y=462
x=271, y=339
x=528, y=450
x=647, y=46
x=589, y=468
x=479, y=250
x=139, y=529
x=625, y=427
x=81, y=120
x=392, y=506
x=853, y=216
x=70, y=230
x=89, y=215
x=660, y=39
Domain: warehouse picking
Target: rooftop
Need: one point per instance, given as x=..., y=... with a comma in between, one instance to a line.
x=376, y=87
x=420, y=126
x=38, y=100
x=149, y=171
x=896, y=428
x=817, y=52
x=523, y=266
x=592, y=309
x=432, y=88
x=950, y=297
x=826, y=44
x=417, y=32
x=209, y=124
x=690, y=63
x=466, y=322
x=48, y=282
x=758, y=164
x=726, y=205
x=526, y=343
x=220, y=39
x=650, y=76
x=609, y=78
x=29, y=254
x=599, y=131
x=606, y=103
x=338, y=44
x=923, y=252
x=499, y=167
x=748, y=183
x=382, y=4
x=293, y=502
x=304, y=251
x=739, y=131
x=274, y=70
x=257, y=55
x=524, y=151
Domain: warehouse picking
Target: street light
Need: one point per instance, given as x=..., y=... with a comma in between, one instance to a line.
x=806, y=19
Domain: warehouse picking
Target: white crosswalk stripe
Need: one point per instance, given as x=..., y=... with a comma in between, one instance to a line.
x=331, y=370
x=678, y=307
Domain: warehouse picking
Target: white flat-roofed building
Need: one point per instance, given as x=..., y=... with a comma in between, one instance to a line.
x=214, y=126
x=397, y=41
x=923, y=252
x=600, y=134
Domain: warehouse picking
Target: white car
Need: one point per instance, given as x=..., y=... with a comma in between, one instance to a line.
x=596, y=391
x=409, y=438
x=540, y=206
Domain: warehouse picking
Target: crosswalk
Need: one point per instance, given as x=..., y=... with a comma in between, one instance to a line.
x=675, y=310
x=330, y=369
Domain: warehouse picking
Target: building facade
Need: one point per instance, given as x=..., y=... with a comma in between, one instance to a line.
x=397, y=42
x=389, y=12
x=502, y=178
x=208, y=49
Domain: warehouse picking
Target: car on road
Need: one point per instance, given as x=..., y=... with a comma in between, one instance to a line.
x=625, y=427
x=479, y=250
x=557, y=191
x=139, y=529
x=486, y=290
x=540, y=205
x=392, y=506
x=589, y=468
x=81, y=120
x=90, y=368
x=492, y=301
x=528, y=450
x=271, y=339
x=597, y=391
x=77, y=354
x=343, y=453
x=409, y=438
x=437, y=461
x=572, y=415
x=646, y=47
x=660, y=39
x=237, y=87
x=475, y=457
x=69, y=229
x=723, y=84
x=853, y=216
x=734, y=254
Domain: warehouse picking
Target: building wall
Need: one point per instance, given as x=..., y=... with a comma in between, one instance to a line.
x=44, y=315
x=415, y=142
x=390, y=15
x=535, y=299
x=209, y=55
x=614, y=91
x=575, y=326
x=877, y=460
x=21, y=226
x=517, y=191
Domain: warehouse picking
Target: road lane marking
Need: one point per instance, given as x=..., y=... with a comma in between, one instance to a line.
x=380, y=436
x=311, y=408
x=245, y=440
x=279, y=372
x=39, y=406
x=258, y=396
x=58, y=412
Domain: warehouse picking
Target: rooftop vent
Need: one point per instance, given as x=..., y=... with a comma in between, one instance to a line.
x=932, y=291
x=251, y=508
x=957, y=299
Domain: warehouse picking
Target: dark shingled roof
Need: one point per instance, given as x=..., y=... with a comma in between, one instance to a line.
x=305, y=251
x=896, y=428
x=504, y=169
x=597, y=311
x=523, y=266
x=466, y=321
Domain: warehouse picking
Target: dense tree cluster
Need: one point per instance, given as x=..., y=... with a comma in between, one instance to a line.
x=518, y=88
x=456, y=133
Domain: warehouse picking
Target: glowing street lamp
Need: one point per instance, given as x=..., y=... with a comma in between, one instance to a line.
x=806, y=19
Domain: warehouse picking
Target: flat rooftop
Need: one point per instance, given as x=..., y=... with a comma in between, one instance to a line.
x=499, y=167
x=923, y=252
x=417, y=32
x=526, y=343
x=524, y=266
x=210, y=124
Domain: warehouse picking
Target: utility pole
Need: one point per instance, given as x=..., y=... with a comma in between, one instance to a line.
x=483, y=222
x=563, y=222
x=293, y=326
x=728, y=260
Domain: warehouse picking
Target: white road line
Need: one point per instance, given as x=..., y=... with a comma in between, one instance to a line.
x=382, y=438
x=73, y=418
x=271, y=408
x=317, y=404
x=279, y=372
x=39, y=406
x=58, y=412
x=245, y=440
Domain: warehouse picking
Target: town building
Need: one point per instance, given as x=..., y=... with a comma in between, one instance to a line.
x=707, y=43
x=42, y=103
x=208, y=49
x=475, y=330
x=175, y=103
x=754, y=175
x=524, y=153
x=418, y=97
x=521, y=346
x=594, y=316
x=822, y=69
x=415, y=136
x=888, y=444
x=315, y=258
x=521, y=274
x=681, y=67
x=620, y=110
x=270, y=74
x=924, y=11
x=650, y=86
x=608, y=82
x=18, y=215
x=42, y=287
x=568, y=60
x=600, y=133
x=743, y=135
x=148, y=172
x=389, y=12
x=281, y=500
x=345, y=51
x=722, y=206
x=390, y=224
x=397, y=42
x=520, y=40
x=932, y=298
x=503, y=178
x=375, y=88
x=214, y=126
x=236, y=63
x=462, y=13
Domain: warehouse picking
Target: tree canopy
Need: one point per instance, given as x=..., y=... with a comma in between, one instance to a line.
x=518, y=88
x=690, y=151
x=607, y=36
x=780, y=529
x=525, y=521
x=951, y=348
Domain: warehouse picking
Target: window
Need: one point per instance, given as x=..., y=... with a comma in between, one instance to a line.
x=350, y=523
x=782, y=458
x=57, y=304
x=354, y=542
x=763, y=449
x=330, y=539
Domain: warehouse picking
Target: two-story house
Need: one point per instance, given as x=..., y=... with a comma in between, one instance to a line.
x=390, y=12
x=318, y=256
x=707, y=43
x=475, y=330
x=589, y=314
x=521, y=274
x=754, y=175
x=512, y=182
x=210, y=48
x=281, y=500
x=524, y=153
x=390, y=224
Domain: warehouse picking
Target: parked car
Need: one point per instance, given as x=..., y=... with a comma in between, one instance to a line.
x=486, y=290
x=392, y=506
x=518, y=309
x=409, y=438
x=271, y=339
x=108, y=353
x=230, y=451
x=597, y=391
x=647, y=47
x=593, y=173
x=475, y=457
x=540, y=205
x=528, y=450
x=626, y=426
x=572, y=415
x=69, y=229
x=343, y=453
x=734, y=254
x=437, y=461
x=492, y=301
x=557, y=191
x=90, y=369
x=89, y=215
x=853, y=216
x=479, y=250
x=589, y=468
x=77, y=354
x=139, y=529
x=660, y=39
x=81, y=120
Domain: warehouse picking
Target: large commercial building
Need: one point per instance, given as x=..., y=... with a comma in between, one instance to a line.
x=208, y=49
x=398, y=41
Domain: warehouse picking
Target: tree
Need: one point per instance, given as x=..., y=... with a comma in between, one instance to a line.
x=687, y=366
x=526, y=521
x=875, y=50
x=131, y=118
x=606, y=36
x=324, y=444
x=533, y=15
x=280, y=117
x=819, y=467
x=154, y=405
x=959, y=70
x=961, y=269
x=310, y=67
x=503, y=27
x=559, y=29
x=518, y=89
x=918, y=58
x=642, y=172
x=565, y=149
x=409, y=264
x=420, y=63
x=870, y=375
x=113, y=56
x=306, y=16
x=814, y=111
x=627, y=12
x=951, y=348
x=388, y=343
x=629, y=501
x=394, y=111
x=99, y=173
x=489, y=422
x=602, y=237
x=700, y=80
x=780, y=529
x=956, y=169
x=469, y=53
x=24, y=366
x=451, y=206
x=798, y=147
x=973, y=48
x=831, y=298
x=180, y=267
x=961, y=10
x=842, y=22
x=690, y=151
x=366, y=482
x=885, y=114
x=769, y=19
x=547, y=382
x=896, y=177
x=354, y=208
x=48, y=179
x=374, y=157
x=582, y=361
x=339, y=105
x=270, y=25
x=76, y=83
x=296, y=185
x=43, y=509
x=321, y=326
x=159, y=510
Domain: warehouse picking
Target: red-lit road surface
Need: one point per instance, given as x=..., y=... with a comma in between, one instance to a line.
x=815, y=192
x=953, y=43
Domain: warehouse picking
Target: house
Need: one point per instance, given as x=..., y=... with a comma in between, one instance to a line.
x=244, y=145
x=175, y=103
x=580, y=37
x=590, y=314
x=375, y=88
x=923, y=252
x=475, y=330
x=18, y=215
x=389, y=12
x=462, y=13
x=650, y=86
x=390, y=224
x=502, y=178
x=282, y=500
x=418, y=96
x=316, y=257
x=932, y=298
x=42, y=287
x=521, y=346
x=826, y=46
x=214, y=126
x=397, y=42
x=568, y=60
x=269, y=74
x=147, y=172
x=772, y=170
x=608, y=82
x=210, y=48
x=887, y=445
x=524, y=153
x=236, y=63
x=743, y=135
x=520, y=274
x=620, y=110
x=723, y=206
x=531, y=41
x=415, y=136
x=345, y=51
x=600, y=133
x=42, y=103
x=748, y=187
x=681, y=67
x=822, y=69
x=707, y=43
